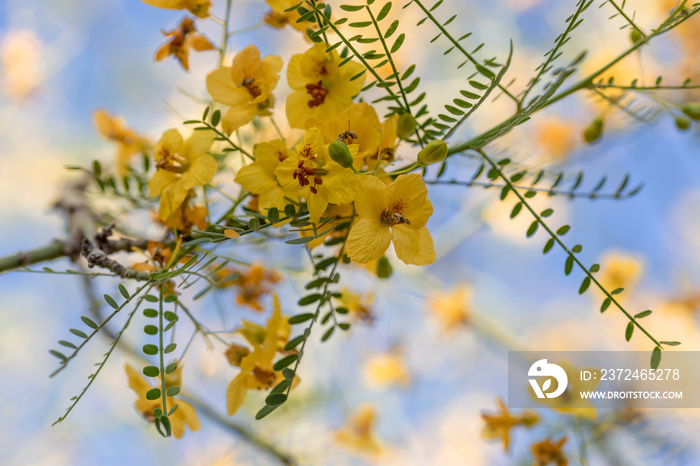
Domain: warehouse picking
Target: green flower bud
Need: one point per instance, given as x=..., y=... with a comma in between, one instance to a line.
x=434, y=152
x=593, y=131
x=682, y=122
x=339, y=152
x=635, y=36
x=384, y=268
x=692, y=109
x=405, y=126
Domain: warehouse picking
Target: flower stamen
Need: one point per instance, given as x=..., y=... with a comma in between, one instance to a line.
x=318, y=93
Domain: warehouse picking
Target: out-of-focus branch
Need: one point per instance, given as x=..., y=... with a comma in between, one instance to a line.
x=83, y=238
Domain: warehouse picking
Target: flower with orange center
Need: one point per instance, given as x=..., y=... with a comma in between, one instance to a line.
x=397, y=212
x=357, y=124
x=246, y=86
x=312, y=174
x=127, y=141
x=254, y=284
x=182, y=39
x=182, y=165
x=184, y=415
x=322, y=89
x=199, y=8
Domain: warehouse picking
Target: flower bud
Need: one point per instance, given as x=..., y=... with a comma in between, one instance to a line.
x=593, y=131
x=384, y=268
x=405, y=126
x=340, y=153
x=635, y=35
x=434, y=152
x=682, y=122
x=692, y=109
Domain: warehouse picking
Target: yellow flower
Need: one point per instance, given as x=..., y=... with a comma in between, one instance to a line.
x=546, y=453
x=184, y=415
x=246, y=86
x=21, y=63
x=128, y=142
x=385, y=370
x=397, y=212
x=199, y=8
x=312, y=174
x=498, y=426
x=452, y=309
x=358, y=305
x=182, y=39
x=557, y=137
x=277, y=17
x=357, y=124
x=259, y=177
x=256, y=366
x=358, y=434
x=321, y=88
x=182, y=165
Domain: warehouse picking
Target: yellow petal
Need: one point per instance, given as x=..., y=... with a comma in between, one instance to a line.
x=136, y=381
x=317, y=204
x=340, y=184
x=200, y=43
x=236, y=393
x=256, y=179
x=160, y=181
x=238, y=116
x=298, y=110
x=222, y=89
x=368, y=240
x=197, y=144
x=369, y=201
x=413, y=247
x=188, y=414
x=201, y=171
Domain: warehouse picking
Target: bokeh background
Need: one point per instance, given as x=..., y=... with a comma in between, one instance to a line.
x=428, y=381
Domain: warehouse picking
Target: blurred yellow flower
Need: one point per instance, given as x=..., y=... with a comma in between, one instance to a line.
x=259, y=177
x=358, y=305
x=127, y=141
x=357, y=124
x=20, y=63
x=452, y=309
x=199, y=8
x=385, y=370
x=182, y=39
x=185, y=217
x=556, y=137
x=277, y=17
x=397, y=212
x=619, y=270
x=256, y=366
x=498, y=426
x=321, y=89
x=358, y=433
x=312, y=174
x=246, y=86
x=546, y=453
x=182, y=165
x=184, y=415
